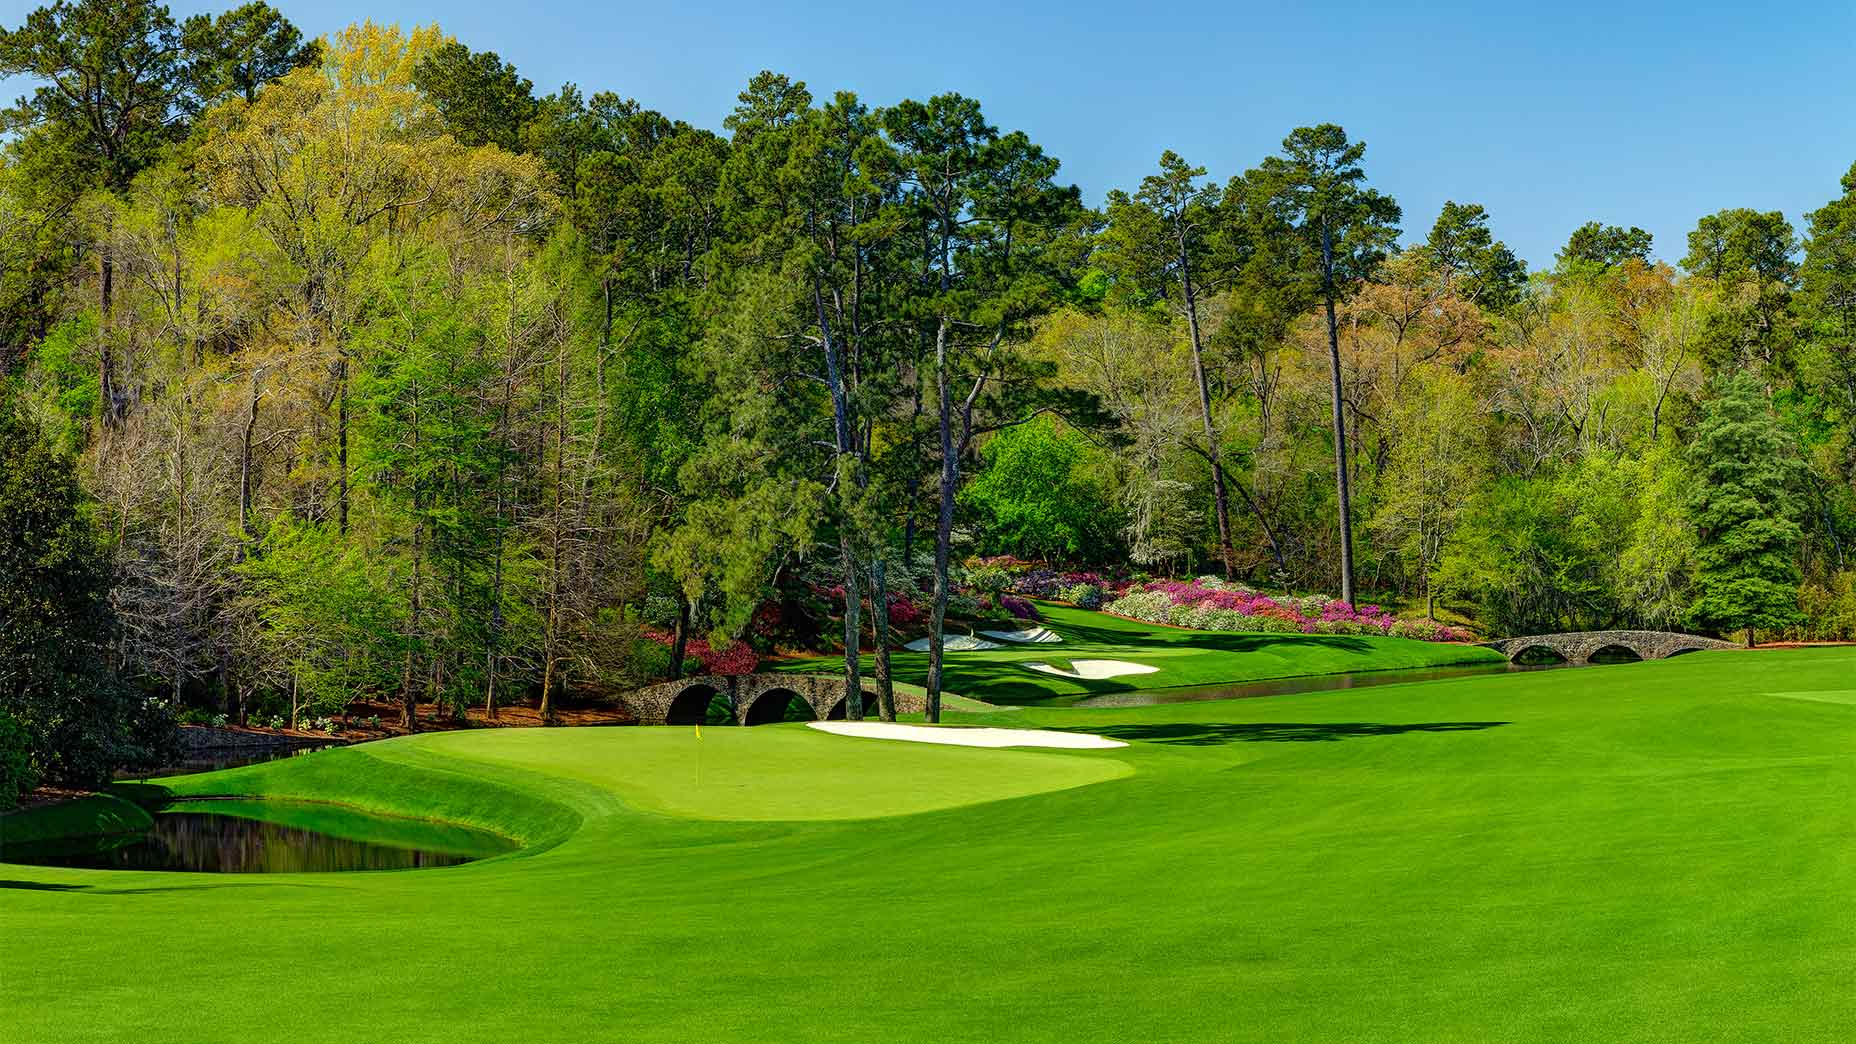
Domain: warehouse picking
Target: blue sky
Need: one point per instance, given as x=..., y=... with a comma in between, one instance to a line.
x=1644, y=113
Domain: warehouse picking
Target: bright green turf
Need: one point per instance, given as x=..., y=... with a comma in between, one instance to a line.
x=1184, y=658
x=1652, y=852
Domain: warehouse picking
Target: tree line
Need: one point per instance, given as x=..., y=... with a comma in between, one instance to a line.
x=377, y=372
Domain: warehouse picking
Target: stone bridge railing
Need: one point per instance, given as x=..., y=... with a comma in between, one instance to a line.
x=757, y=699
x=1580, y=646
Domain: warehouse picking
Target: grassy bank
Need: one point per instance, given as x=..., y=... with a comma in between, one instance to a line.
x=1650, y=852
x=1183, y=658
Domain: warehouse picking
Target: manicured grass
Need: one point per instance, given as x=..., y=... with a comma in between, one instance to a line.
x=1184, y=658
x=1651, y=852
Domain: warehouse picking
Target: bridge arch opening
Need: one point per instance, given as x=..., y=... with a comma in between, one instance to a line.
x=1614, y=653
x=1538, y=656
x=700, y=705
x=777, y=705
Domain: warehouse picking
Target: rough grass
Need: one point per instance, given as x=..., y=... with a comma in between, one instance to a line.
x=1651, y=852
x=1185, y=658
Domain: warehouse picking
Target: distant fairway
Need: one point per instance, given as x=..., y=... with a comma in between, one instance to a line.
x=1183, y=658
x=1661, y=852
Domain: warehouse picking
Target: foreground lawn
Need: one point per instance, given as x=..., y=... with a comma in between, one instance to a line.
x=1650, y=852
x=1183, y=658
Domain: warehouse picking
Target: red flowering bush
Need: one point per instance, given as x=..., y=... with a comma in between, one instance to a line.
x=737, y=658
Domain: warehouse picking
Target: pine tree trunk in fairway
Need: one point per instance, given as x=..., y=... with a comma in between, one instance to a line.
x=943, y=530
x=879, y=628
x=1342, y=486
x=853, y=632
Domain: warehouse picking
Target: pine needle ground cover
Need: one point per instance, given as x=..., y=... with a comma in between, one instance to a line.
x=1647, y=852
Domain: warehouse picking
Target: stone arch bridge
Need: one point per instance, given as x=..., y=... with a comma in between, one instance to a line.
x=757, y=699
x=1581, y=646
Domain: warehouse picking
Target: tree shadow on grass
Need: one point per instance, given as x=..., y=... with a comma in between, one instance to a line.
x=41, y=886
x=1211, y=734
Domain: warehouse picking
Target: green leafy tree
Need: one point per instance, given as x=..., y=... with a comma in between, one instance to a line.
x=1601, y=246
x=113, y=95
x=1748, y=256
x=991, y=219
x=1439, y=458
x=1327, y=232
x=239, y=51
x=1828, y=296
x=1160, y=244
x=80, y=721
x=1474, y=263
x=1744, y=506
x=1037, y=496
x=482, y=98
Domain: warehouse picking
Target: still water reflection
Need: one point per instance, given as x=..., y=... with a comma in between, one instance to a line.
x=210, y=842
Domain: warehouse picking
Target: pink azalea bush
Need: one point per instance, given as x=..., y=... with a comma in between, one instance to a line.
x=738, y=658
x=1018, y=607
x=1207, y=604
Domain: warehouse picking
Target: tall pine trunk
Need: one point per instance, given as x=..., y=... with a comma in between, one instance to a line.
x=879, y=635
x=550, y=674
x=1343, y=487
x=106, y=358
x=1220, y=496
x=943, y=528
x=847, y=493
x=853, y=631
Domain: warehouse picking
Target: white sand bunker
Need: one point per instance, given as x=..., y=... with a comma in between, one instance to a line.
x=1035, y=635
x=954, y=643
x=1094, y=670
x=963, y=737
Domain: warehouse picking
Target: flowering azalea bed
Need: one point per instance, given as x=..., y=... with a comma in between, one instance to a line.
x=738, y=658
x=1206, y=604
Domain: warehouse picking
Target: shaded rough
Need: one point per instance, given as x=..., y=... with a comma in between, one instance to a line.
x=756, y=698
x=1579, y=646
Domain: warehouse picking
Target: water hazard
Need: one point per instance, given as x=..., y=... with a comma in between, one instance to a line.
x=197, y=837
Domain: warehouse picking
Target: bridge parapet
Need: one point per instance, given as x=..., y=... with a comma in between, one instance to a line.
x=1580, y=646
x=756, y=698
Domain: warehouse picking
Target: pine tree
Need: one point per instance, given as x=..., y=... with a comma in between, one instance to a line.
x=1745, y=510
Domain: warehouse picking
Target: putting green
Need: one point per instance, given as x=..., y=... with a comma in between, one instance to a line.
x=1648, y=852
x=1178, y=658
x=778, y=774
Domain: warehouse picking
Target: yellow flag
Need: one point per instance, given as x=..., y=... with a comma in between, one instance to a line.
x=699, y=730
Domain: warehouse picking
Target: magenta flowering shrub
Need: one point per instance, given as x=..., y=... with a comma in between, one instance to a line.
x=738, y=658
x=1210, y=605
x=1018, y=607
x=905, y=609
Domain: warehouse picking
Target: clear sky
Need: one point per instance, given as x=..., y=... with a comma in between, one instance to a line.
x=1629, y=112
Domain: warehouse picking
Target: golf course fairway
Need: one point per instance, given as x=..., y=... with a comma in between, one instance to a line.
x=1662, y=851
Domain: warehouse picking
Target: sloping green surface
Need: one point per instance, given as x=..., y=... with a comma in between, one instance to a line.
x=1653, y=852
x=1183, y=658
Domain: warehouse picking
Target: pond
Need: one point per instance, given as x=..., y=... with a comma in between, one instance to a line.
x=223, y=837
x=1286, y=686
